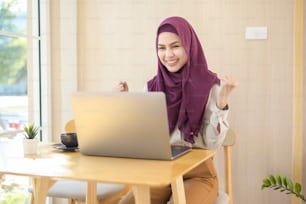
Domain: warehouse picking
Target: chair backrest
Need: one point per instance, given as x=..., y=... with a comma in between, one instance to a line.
x=229, y=141
x=70, y=126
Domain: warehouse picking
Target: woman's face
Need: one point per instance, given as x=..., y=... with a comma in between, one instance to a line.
x=171, y=52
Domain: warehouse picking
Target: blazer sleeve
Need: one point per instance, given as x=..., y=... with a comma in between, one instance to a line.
x=212, y=137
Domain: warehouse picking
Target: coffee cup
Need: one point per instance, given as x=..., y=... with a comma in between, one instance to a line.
x=69, y=139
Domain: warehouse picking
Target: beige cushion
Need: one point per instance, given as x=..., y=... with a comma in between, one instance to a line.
x=77, y=189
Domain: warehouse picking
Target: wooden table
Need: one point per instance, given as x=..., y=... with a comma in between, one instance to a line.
x=50, y=165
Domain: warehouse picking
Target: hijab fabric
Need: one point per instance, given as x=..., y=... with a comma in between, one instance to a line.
x=187, y=90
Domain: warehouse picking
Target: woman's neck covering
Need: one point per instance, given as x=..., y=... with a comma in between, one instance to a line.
x=187, y=90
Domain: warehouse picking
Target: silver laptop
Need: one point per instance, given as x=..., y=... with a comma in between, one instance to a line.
x=124, y=124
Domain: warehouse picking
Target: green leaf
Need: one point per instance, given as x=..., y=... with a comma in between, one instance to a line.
x=285, y=181
x=272, y=179
x=279, y=180
x=289, y=184
x=265, y=183
x=31, y=131
x=297, y=188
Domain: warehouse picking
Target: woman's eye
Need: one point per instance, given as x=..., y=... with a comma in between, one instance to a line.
x=160, y=48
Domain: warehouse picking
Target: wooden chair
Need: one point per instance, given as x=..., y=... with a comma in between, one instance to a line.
x=70, y=126
x=227, y=196
x=75, y=191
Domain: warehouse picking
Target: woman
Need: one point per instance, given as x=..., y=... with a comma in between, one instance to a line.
x=196, y=105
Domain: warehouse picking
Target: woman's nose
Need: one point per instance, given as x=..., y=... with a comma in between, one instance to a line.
x=169, y=52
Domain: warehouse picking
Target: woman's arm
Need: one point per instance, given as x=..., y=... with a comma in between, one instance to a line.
x=215, y=118
x=215, y=121
x=228, y=83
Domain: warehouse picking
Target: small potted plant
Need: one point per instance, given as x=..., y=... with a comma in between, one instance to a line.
x=30, y=143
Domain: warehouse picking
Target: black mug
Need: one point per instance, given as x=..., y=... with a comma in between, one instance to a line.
x=69, y=139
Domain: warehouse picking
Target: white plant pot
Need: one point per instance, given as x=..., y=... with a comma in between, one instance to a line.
x=30, y=146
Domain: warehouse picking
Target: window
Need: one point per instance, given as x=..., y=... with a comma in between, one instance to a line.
x=19, y=63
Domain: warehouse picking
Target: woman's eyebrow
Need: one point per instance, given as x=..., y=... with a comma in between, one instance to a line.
x=175, y=42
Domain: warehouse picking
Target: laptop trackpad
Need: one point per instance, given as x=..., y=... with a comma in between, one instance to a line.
x=179, y=150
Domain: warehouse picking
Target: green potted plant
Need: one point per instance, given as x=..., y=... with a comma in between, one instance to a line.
x=283, y=184
x=30, y=142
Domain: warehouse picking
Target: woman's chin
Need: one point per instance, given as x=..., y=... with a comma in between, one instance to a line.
x=173, y=69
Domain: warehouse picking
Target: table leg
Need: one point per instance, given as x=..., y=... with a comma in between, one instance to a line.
x=141, y=194
x=178, y=191
x=91, y=192
x=41, y=186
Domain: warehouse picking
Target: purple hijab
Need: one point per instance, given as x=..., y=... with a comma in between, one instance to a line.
x=186, y=91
